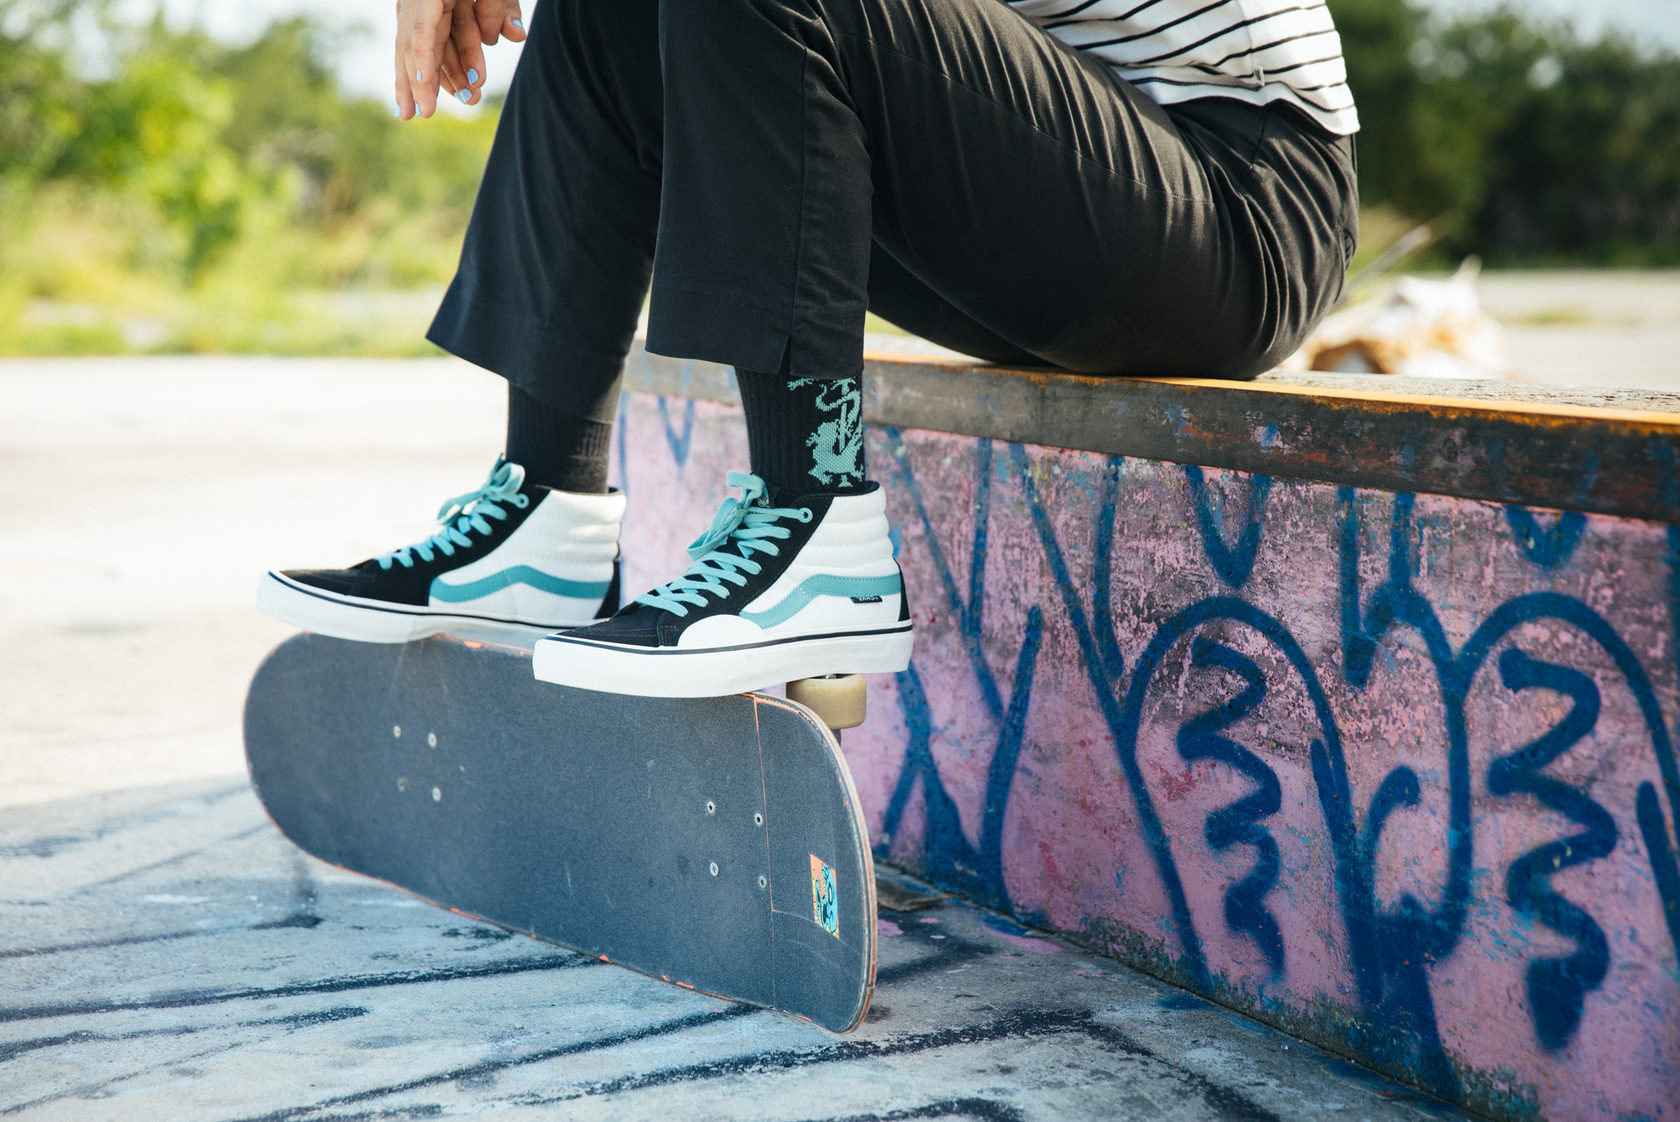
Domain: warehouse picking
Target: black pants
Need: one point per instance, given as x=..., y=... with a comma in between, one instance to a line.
x=779, y=166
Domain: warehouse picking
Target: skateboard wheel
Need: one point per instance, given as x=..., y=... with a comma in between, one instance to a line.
x=837, y=699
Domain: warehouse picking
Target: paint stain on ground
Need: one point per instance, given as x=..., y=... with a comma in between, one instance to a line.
x=1181, y=1002
x=1020, y=937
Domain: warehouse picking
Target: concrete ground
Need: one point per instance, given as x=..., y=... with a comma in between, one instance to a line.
x=164, y=953
x=1601, y=329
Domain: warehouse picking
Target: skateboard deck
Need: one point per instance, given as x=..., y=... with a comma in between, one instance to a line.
x=715, y=843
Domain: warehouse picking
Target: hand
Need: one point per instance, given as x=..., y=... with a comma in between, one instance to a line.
x=440, y=43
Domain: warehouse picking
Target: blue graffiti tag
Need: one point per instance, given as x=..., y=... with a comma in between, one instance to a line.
x=1556, y=986
x=1391, y=948
x=679, y=442
x=1549, y=547
x=1553, y=608
x=977, y=870
x=1200, y=738
x=1234, y=564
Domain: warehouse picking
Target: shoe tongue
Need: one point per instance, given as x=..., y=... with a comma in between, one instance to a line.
x=817, y=502
x=527, y=485
x=776, y=495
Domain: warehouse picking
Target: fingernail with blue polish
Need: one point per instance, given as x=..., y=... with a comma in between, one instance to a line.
x=472, y=77
x=417, y=77
x=463, y=96
x=519, y=23
x=396, y=111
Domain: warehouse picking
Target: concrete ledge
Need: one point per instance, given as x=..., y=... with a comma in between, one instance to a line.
x=1256, y=690
x=1611, y=452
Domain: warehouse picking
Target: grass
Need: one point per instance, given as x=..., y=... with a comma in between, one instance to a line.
x=84, y=273
x=96, y=274
x=1557, y=316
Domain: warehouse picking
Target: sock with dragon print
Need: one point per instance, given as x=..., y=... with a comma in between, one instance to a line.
x=805, y=435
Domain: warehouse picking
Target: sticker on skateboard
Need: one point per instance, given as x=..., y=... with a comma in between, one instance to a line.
x=825, y=903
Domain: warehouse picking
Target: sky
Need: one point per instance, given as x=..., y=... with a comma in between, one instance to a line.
x=365, y=66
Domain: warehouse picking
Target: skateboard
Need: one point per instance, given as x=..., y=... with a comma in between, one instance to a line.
x=714, y=843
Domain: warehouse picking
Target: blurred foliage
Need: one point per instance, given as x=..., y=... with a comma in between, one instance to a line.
x=201, y=196
x=207, y=197
x=1521, y=142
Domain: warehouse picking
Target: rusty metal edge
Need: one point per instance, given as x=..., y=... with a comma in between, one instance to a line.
x=1594, y=460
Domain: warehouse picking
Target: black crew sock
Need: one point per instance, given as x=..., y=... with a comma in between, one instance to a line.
x=556, y=448
x=805, y=435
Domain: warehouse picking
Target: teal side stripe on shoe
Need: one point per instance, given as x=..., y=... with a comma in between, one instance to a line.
x=518, y=574
x=813, y=587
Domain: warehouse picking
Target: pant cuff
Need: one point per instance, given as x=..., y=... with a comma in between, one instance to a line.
x=711, y=325
x=545, y=364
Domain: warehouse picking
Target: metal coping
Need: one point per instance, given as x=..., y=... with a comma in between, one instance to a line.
x=1597, y=458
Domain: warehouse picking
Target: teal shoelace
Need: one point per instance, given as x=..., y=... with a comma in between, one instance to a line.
x=751, y=528
x=464, y=515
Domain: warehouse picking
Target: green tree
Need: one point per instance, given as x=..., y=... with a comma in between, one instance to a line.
x=155, y=129
x=1586, y=162
x=1525, y=144
x=41, y=105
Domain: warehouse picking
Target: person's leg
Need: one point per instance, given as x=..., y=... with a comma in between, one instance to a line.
x=551, y=281
x=804, y=434
x=555, y=264
x=557, y=448
x=901, y=298
x=761, y=263
x=1008, y=185
x=967, y=176
x=1106, y=276
x=1025, y=184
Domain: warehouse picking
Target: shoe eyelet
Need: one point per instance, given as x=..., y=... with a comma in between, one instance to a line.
x=805, y=514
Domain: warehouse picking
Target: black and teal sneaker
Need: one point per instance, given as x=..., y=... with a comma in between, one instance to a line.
x=509, y=563
x=781, y=588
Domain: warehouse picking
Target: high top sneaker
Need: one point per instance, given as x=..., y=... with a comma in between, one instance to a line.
x=509, y=563
x=781, y=588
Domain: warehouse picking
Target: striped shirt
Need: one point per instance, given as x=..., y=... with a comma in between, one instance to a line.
x=1257, y=51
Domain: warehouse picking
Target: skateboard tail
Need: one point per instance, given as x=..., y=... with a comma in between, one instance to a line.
x=851, y=866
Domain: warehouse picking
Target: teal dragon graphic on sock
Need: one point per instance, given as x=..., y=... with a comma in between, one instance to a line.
x=837, y=445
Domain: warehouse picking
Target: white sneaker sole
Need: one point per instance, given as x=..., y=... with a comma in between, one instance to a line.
x=664, y=672
x=375, y=621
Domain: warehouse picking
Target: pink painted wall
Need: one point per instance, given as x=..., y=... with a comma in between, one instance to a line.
x=1394, y=772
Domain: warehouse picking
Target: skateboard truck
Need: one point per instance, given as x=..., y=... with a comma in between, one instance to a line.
x=838, y=700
